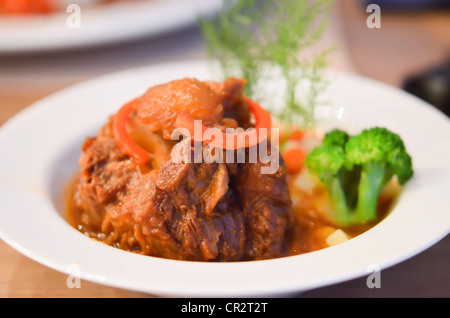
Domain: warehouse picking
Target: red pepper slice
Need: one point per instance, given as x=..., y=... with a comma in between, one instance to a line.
x=263, y=122
x=122, y=137
x=248, y=138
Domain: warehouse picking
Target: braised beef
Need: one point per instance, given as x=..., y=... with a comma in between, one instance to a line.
x=266, y=203
x=184, y=210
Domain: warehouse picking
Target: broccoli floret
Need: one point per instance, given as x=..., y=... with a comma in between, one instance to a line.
x=336, y=138
x=355, y=170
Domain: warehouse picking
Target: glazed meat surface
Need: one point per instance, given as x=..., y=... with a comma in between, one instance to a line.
x=183, y=210
x=266, y=202
x=211, y=102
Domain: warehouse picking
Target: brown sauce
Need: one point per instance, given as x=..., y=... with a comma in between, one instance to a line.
x=309, y=233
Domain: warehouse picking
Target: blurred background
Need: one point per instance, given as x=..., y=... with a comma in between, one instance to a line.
x=410, y=51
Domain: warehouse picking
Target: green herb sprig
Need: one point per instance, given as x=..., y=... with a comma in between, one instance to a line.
x=265, y=42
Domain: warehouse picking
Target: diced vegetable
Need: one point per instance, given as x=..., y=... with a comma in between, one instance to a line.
x=305, y=181
x=337, y=237
x=297, y=135
x=294, y=159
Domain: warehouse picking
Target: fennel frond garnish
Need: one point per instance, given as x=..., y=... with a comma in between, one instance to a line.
x=268, y=43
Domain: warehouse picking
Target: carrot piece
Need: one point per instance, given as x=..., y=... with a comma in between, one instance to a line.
x=294, y=159
x=297, y=135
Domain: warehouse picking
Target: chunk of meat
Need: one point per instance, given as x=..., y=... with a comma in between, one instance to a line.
x=160, y=105
x=231, y=94
x=180, y=221
x=187, y=211
x=176, y=209
x=180, y=211
x=104, y=178
x=266, y=202
x=216, y=104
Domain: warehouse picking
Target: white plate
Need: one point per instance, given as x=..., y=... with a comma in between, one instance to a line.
x=100, y=24
x=39, y=150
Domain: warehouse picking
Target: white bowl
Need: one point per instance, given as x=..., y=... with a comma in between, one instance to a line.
x=39, y=150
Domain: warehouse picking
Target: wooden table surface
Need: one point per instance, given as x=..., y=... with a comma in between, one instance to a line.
x=406, y=44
